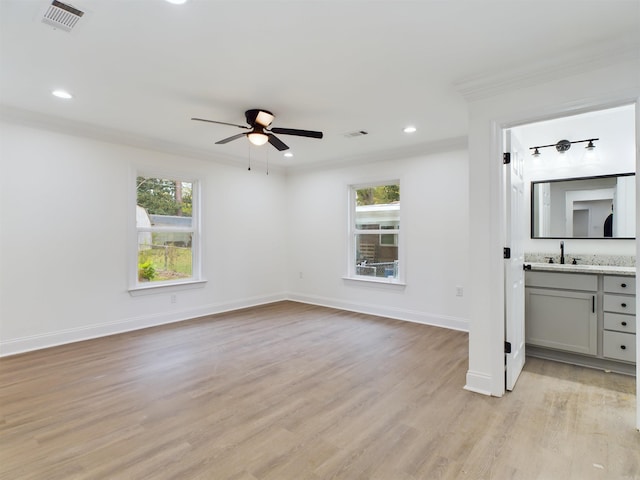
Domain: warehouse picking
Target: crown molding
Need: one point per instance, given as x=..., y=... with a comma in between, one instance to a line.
x=416, y=150
x=573, y=62
x=81, y=129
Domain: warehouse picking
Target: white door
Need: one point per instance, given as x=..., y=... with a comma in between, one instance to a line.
x=514, y=271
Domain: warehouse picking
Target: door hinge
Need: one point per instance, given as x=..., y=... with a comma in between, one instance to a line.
x=507, y=347
x=506, y=252
x=506, y=158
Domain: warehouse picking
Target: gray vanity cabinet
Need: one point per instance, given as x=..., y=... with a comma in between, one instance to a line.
x=583, y=318
x=561, y=311
x=619, y=335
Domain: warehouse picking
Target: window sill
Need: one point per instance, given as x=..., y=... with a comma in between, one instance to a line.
x=139, y=290
x=377, y=281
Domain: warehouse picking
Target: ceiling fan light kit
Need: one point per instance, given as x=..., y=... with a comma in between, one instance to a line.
x=259, y=121
x=257, y=138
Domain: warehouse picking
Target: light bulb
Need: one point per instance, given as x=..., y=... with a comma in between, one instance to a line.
x=258, y=138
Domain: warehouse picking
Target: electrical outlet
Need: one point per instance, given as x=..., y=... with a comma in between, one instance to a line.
x=173, y=298
x=459, y=291
x=300, y=276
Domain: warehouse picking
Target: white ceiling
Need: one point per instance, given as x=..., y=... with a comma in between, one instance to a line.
x=139, y=70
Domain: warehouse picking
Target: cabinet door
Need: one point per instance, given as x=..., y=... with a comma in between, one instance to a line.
x=564, y=320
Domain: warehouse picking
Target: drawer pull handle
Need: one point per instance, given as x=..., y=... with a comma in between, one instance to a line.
x=624, y=305
x=623, y=347
x=624, y=324
x=623, y=285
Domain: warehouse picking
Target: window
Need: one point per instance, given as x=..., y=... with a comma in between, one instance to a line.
x=167, y=231
x=375, y=231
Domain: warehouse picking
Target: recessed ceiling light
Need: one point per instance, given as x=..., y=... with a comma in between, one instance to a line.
x=288, y=154
x=177, y=2
x=409, y=129
x=62, y=94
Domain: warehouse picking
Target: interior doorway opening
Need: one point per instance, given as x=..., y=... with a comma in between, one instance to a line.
x=584, y=238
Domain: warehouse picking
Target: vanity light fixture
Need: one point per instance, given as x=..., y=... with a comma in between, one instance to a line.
x=564, y=145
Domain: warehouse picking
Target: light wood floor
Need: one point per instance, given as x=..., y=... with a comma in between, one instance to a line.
x=291, y=391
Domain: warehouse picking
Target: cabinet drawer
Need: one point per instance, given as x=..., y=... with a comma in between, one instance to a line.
x=619, y=284
x=620, y=346
x=619, y=304
x=619, y=322
x=569, y=281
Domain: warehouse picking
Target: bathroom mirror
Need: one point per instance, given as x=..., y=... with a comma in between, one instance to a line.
x=587, y=207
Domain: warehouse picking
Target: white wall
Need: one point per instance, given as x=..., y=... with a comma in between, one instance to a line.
x=434, y=222
x=615, y=153
x=64, y=208
x=570, y=95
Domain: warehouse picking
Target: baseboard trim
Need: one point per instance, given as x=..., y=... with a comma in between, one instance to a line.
x=88, y=332
x=478, y=383
x=425, y=318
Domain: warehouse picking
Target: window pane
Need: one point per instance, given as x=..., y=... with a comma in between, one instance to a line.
x=164, y=256
x=378, y=207
x=377, y=255
x=164, y=202
x=378, y=195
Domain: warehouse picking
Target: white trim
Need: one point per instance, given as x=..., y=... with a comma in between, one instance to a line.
x=474, y=379
x=78, y=334
x=161, y=287
x=580, y=60
x=353, y=232
x=88, y=332
x=637, y=141
x=425, y=318
x=195, y=229
x=118, y=137
x=497, y=226
x=378, y=280
x=478, y=383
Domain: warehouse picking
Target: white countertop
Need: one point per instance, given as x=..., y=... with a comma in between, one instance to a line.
x=569, y=268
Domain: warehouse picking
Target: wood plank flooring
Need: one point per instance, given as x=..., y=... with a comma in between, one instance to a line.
x=292, y=391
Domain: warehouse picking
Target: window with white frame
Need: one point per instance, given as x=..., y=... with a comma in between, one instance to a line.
x=375, y=231
x=167, y=231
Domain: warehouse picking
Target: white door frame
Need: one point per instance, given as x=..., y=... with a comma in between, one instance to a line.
x=497, y=141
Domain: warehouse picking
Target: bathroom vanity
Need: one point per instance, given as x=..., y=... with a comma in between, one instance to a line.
x=582, y=314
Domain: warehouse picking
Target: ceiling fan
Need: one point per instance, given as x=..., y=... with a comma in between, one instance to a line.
x=259, y=121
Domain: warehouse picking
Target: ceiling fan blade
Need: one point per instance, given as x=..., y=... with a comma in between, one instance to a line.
x=220, y=123
x=230, y=139
x=299, y=133
x=276, y=142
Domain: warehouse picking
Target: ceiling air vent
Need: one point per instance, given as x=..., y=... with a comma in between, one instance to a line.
x=357, y=133
x=62, y=16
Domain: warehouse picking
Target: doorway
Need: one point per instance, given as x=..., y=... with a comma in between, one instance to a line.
x=615, y=152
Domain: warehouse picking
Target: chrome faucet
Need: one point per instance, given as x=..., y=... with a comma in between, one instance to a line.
x=562, y=252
